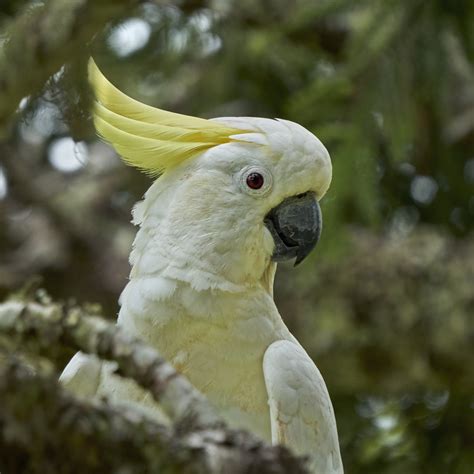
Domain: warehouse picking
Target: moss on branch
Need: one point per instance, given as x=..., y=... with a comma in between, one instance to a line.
x=53, y=329
x=45, y=429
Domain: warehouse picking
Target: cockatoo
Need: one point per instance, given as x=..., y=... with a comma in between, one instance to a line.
x=232, y=197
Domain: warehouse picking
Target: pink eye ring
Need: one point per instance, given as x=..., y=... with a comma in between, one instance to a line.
x=255, y=180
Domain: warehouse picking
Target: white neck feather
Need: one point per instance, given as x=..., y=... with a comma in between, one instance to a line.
x=167, y=278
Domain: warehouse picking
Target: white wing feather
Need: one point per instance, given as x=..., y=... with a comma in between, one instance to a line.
x=89, y=377
x=82, y=375
x=301, y=413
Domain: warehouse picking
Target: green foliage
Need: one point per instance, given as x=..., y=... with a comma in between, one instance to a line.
x=385, y=85
x=385, y=304
x=390, y=327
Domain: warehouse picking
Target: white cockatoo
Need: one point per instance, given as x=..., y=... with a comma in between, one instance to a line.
x=234, y=196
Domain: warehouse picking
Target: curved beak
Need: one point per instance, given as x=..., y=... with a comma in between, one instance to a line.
x=296, y=226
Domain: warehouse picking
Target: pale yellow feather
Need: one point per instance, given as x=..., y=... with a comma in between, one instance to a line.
x=149, y=130
x=149, y=138
x=153, y=156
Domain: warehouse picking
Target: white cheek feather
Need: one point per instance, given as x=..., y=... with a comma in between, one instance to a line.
x=268, y=243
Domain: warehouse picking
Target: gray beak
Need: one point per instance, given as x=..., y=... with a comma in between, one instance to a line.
x=296, y=226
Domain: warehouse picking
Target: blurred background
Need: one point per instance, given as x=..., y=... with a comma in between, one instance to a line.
x=385, y=305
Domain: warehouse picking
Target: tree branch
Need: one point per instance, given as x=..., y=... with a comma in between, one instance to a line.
x=44, y=429
x=51, y=327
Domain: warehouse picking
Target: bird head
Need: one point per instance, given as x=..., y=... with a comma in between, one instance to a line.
x=232, y=195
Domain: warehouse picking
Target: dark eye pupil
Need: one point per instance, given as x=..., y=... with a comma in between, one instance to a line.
x=255, y=180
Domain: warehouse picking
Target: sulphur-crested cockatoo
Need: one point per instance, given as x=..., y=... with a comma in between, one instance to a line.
x=234, y=196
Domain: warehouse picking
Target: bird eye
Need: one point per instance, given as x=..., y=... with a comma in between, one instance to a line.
x=255, y=180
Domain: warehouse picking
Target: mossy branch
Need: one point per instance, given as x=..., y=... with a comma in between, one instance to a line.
x=52, y=327
x=45, y=429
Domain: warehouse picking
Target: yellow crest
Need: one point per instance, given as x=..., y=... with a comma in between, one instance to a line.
x=149, y=138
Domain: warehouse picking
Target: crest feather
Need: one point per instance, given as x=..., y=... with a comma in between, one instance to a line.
x=149, y=138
